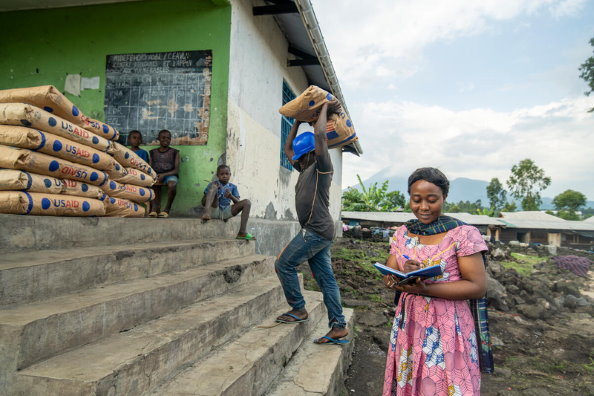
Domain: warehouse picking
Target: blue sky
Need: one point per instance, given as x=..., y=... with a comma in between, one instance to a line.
x=471, y=87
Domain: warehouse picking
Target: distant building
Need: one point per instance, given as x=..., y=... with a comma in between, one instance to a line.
x=540, y=227
x=527, y=227
x=390, y=219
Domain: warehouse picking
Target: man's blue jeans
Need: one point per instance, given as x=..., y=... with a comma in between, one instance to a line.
x=308, y=245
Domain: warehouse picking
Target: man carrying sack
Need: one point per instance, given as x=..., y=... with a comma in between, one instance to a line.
x=309, y=154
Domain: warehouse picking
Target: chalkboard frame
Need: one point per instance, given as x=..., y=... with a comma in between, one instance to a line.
x=160, y=90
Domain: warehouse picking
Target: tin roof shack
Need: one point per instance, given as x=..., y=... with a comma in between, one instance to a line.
x=546, y=229
x=213, y=72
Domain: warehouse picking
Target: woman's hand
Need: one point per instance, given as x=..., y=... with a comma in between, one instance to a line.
x=390, y=281
x=411, y=265
x=418, y=287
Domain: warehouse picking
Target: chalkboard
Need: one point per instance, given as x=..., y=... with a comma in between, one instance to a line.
x=160, y=90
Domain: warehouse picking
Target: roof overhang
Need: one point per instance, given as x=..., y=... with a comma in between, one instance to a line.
x=297, y=20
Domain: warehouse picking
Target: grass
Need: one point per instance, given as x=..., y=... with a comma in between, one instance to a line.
x=523, y=263
x=375, y=298
x=364, y=258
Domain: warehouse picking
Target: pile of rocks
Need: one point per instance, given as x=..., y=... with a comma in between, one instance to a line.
x=547, y=291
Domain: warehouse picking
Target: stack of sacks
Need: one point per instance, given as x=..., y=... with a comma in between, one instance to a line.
x=44, y=201
x=126, y=191
x=35, y=144
x=75, y=159
x=306, y=107
x=89, y=142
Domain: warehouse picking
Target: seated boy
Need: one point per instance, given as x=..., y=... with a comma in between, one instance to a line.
x=134, y=141
x=218, y=196
x=165, y=161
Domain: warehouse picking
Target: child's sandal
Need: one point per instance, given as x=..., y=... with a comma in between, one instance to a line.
x=153, y=214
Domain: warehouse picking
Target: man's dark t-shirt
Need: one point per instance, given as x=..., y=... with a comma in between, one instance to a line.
x=312, y=196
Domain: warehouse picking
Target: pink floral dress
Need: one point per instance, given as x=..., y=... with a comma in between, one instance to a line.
x=433, y=347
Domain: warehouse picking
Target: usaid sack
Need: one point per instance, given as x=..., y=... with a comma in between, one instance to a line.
x=23, y=159
x=118, y=207
x=340, y=130
x=57, y=146
x=30, y=116
x=306, y=107
x=128, y=191
x=11, y=179
x=130, y=159
x=17, y=202
x=48, y=98
x=134, y=176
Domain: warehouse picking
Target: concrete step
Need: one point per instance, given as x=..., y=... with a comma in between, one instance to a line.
x=29, y=276
x=49, y=232
x=32, y=332
x=317, y=369
x=249, y=364
x=133, y=362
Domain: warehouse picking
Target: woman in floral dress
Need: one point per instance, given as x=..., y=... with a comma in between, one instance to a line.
x=433, y=345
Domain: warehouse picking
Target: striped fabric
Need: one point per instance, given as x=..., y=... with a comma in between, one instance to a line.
x=481, y=325
x=442, y=224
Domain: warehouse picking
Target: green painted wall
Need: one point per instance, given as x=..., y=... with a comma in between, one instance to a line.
x=41, y=47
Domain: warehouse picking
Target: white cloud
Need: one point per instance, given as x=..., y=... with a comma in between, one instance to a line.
x=376, y=33
x=478, y=143
x=566, y=8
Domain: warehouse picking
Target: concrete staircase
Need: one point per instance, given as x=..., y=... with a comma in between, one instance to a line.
x=151, y=306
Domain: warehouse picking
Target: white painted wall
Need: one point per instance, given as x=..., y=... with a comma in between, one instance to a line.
x=257, y=68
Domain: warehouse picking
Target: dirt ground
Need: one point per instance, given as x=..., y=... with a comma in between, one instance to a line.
x=550, y=354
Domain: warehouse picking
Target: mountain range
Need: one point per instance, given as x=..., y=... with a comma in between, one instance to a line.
x=461, y=189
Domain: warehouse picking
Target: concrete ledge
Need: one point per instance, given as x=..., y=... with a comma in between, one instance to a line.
x=55, y=325
x=36, y=275
x=248, y=365
x=132, y=362
x=317, y=369
x=49, y=232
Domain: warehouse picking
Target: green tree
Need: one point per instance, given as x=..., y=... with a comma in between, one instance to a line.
x=497, y=196
x=587, y=72
x=464, y=207
x=510, y=207
x=568, y=203
x=526, y=182
x=372, y=199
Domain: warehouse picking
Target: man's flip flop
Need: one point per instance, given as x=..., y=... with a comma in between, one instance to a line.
x=297, y=319
x=331, y=341
x=247, y=237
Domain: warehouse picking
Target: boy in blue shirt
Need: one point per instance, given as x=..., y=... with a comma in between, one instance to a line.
x=218, y=197
x=134, y=141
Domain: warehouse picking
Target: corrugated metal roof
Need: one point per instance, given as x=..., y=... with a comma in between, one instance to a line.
x=523, y=220
x=543, y=221
x=403, y=217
